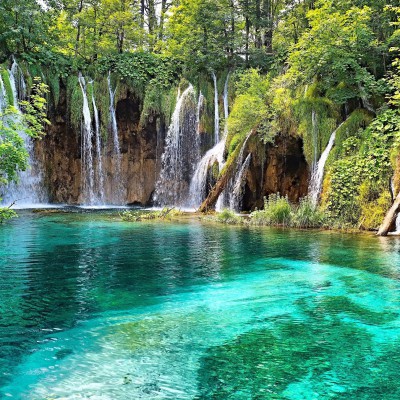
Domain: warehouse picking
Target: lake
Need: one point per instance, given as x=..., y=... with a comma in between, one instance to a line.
x=91, y=307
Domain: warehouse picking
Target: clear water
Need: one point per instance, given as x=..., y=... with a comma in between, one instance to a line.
x=95, y=308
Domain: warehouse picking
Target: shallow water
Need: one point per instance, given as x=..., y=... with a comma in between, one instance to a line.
x=95, y=308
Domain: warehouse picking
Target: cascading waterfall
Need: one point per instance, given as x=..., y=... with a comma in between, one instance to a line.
x=216, y=110
x=200, y=105
x=29, y=189
x=99, y=157
x=18, y=81
x=198, y=185
x=225, y=199
x=181, y=153
x=398, y=223
x=226, y=98
x=113, y=118
x=314, y=124
x=117, y=188
x=237, y=192
x=317, y=174
x=3, y=96
x=88, y=190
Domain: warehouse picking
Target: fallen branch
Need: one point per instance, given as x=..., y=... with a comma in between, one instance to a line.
x=390, y=217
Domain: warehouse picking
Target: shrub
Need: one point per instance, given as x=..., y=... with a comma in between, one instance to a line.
x=277, y=211
x=307, y=215
x=227, y=216
x=164, y=214
x=6, y=213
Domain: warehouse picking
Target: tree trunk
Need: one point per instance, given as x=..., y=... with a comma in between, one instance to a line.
x=258, y=37
x=391, y=215
x=78, y=33
x=162, y=18
x=218, y=188
x=247, y=38
x=390, y=218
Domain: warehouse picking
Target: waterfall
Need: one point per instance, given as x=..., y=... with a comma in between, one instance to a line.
x=398, y=223
x=18, y=81
x=226, y=198
x=314, y=124
x=216, y=110
x=88, y=195
x=117, y=188
x=99, y=157
x=181, y=152
x=29, y=189
x=317, y=174
x=3, y=96
x=198, y=185
x=226, y=94
x=113, y=117
x=200, y=105
x=237, y=192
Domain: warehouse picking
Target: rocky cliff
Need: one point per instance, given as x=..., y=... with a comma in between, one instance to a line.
x=141, y=149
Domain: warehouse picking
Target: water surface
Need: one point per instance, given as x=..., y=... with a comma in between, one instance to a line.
x=100, y=309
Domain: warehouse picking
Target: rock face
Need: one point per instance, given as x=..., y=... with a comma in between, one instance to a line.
x=278, y=168
x=141, y=149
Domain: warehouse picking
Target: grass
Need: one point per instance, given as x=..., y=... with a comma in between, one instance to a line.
x=278, y=211
x=166, y=214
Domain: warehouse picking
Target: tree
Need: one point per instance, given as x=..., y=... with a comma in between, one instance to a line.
x=339, y=50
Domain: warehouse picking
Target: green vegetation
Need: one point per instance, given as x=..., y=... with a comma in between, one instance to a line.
x=296, y=68
x=278, y=211
x=13, y=154
x=166, y=214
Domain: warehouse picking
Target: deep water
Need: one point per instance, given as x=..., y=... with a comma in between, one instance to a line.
x=91, y=307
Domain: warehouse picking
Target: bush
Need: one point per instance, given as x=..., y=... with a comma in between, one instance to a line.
x=277, y=211
x=6, y=213
x=307, y=215
x=227, y=216
x=164, y=214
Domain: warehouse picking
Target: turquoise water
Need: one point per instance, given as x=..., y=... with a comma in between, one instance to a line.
x=92, y=308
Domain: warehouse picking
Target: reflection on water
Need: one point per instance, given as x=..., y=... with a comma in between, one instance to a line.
x=96, y=308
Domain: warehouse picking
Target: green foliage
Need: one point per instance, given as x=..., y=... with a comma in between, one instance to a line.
x=277, y=211
x=35, y=110
x=53, y=80
x=307, y=215
x=13, y=154
x=351, y=128
x=337, y=50
x=102, y=97
x=317, y=119
x=6, y=213
x=229, y=217
x=374, y=201
x=7, y=86
x=158, y=101
x=250, y=109
x=358, y=182
x=140, y=69
x=75, y=101
x=166, y=214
